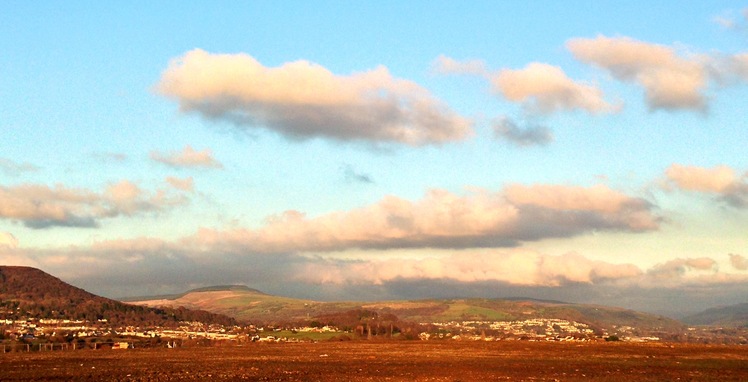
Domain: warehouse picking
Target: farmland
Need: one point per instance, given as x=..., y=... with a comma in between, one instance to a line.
x=389, y=361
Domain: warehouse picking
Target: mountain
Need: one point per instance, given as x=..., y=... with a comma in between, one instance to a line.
x=247, y=304
x=27, y=292
x=725, y=316
x=240, y=302
x=216, y=288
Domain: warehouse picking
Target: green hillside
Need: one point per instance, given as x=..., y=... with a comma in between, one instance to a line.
x=246, y=304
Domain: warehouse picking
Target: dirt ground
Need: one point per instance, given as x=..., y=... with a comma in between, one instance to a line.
x=388, y=361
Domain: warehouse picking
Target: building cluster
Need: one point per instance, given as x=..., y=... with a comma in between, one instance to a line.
x=48, y=331
x=53, y=330
x=38, y=329
x=533, y=329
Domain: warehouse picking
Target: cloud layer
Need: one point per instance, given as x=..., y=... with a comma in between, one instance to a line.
x=303, y=100
x=148, y=265
x=517, y=267
x=41, y=206
x=445, y=220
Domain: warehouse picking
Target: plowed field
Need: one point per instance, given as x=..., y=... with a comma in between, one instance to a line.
x=388, y=361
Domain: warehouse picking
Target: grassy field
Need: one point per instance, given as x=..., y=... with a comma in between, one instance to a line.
x=312, y=336
x=388, y=361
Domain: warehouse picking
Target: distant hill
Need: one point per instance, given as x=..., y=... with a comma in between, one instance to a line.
x=216, y=288
x=27, y=292
x=725, y=316
x=247, y=304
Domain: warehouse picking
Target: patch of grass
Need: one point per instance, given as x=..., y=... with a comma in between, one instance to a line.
x=314, y=336
x=464, y=310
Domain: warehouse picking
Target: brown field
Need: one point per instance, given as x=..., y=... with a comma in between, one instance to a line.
x=388, y=361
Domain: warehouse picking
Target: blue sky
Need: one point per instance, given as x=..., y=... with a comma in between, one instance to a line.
x=332, y=150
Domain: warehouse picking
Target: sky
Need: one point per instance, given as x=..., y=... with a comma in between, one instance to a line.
x=583, y=151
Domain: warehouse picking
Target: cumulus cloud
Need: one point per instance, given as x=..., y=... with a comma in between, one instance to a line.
x=670, y=80
x=188, y=157
x=183, y=184
x=149, y=265
x=539, y=87
x=596, y=198
x=12, y=168
x=679, y=267
x=719, y=180
x=445, y=220
x=738, y=262
x=41, y=206
x=547, y=89
x=517, y=267
x=155, y=262
x=303, y=100
x=506, y=128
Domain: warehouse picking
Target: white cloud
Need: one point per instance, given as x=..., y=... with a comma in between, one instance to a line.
x=145, y=265
x=303, y=100
x=183, y=184
x=188, y=157
x=445, y=220
x=539, y=87
x=40, y=206
x=690, y=273
x=628, y=212
x=719, y=180
x=670, y=80
x=513, y=266
x=546, y=89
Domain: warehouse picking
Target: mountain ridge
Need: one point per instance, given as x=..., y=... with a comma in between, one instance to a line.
x=174, y=296
x=27, y=292
x=728, y=315
x=249, y=304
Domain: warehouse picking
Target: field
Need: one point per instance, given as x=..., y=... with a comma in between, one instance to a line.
x=388, y=361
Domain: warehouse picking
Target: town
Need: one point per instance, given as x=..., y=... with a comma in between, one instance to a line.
x=61, y=334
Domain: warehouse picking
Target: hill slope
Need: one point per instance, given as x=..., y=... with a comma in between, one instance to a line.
x=248, y=304
x=726, y=316
x=27, y=292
